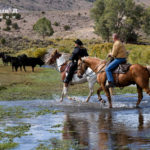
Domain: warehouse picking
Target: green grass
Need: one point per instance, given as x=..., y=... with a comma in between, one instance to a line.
x=6, y=146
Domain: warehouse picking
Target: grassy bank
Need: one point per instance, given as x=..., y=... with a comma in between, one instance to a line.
x=44, y=83
x=41, y=84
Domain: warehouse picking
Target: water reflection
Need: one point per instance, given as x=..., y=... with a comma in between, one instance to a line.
x=109, y=130
x=76, y=129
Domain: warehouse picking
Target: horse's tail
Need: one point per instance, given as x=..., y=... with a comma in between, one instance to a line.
x=148, y=68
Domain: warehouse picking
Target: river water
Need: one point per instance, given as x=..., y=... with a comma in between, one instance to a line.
x=87, y=126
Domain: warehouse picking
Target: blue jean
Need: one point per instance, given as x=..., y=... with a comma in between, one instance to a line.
x=115, y=63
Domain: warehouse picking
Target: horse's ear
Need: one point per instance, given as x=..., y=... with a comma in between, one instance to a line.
x=55, y=52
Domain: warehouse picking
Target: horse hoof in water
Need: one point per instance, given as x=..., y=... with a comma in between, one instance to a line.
x=61, y=100
x=87, y=101
x=71, y=98
x=103, y=101
x=137, y=106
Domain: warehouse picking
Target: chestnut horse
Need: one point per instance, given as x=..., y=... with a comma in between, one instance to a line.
x=62, y=62
x=137, y=74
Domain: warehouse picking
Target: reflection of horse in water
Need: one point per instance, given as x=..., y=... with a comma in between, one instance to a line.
x=105, y=130
x=76, y=130
x=116, y=134
x=137, y=74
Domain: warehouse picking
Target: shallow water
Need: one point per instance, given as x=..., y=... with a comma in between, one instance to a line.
x=91, y=126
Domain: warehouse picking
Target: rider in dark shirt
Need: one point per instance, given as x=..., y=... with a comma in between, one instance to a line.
x=79, y=51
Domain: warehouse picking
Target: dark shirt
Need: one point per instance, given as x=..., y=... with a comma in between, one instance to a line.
x=78, y=52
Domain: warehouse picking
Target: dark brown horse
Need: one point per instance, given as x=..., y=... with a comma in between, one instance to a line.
x=137, y=74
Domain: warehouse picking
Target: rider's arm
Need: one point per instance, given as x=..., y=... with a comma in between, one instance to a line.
x=115, y=49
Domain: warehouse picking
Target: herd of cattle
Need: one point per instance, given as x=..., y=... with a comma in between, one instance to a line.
x=20, y=61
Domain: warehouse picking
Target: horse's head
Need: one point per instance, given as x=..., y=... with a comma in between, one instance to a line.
x=51, y=58
x=82, y=67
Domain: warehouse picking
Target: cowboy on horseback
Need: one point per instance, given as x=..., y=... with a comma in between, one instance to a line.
x=119, y=55
x=79, y=51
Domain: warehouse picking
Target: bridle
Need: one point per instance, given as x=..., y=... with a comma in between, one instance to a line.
x=80, y=68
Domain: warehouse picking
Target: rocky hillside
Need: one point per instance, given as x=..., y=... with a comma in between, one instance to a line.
x=46, y=5
x=145, y=2
x=73, y=13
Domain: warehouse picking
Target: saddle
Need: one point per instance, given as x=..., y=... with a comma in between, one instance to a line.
x=67, y=69
x=121, y=69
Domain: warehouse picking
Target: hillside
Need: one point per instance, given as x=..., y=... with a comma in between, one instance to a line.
x=46, y=5
x=145, y=2
x=74, y=13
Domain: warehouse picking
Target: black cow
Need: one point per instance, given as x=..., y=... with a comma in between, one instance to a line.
x=5, y=58
x=15, y=64
x=31, y=61
x=23, y=61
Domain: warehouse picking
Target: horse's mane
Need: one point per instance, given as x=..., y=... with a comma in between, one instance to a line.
x=66, y=55
x=52, y=51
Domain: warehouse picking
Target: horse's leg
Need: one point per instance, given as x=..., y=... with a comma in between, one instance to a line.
x=106, y=90
x=111, y=90
x=99, y=96
x=144, y=84
x=64, y=92
x=140, y=95
x=91, y=87
x=142, y=80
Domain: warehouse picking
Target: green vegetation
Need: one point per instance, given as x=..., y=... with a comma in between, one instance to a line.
x=34, y=52
x=7, y=28
x=124, y=17
x=46, y=111
x=3, y=41
x=15, y=26
x=18, y=16
x=8, y=22
x=6, y=146
x=60, y=145
x=56, y=23
x=66, y=27
x=9, y=132
x=137, y=53
x=43, y=27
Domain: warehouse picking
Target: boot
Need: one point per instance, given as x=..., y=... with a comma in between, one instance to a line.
x=110, y=84
x=66, y=81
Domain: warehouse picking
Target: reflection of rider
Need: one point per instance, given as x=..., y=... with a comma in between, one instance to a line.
x=79, y=51
x=119, y=54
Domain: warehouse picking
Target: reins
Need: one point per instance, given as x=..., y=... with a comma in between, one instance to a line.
x=94, y=69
